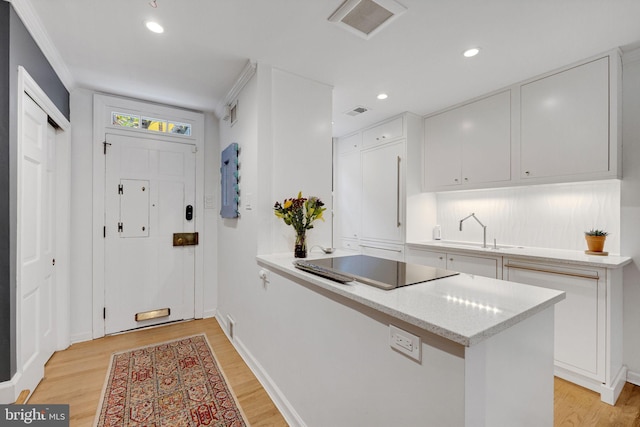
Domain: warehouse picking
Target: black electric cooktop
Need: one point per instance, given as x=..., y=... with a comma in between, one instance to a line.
x=379, y=272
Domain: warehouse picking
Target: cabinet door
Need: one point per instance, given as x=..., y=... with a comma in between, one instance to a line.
x=382, y=193
x=348, y=190
x=565, y=122
x=470, y=144
x=432, y=259
x=486, y=267
x=442, y=151
x=349, y=143
x=383, y=132
x=579, y=319
x=485, y=128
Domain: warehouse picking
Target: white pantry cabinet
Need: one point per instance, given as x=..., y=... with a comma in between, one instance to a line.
x=565, y=123
x=347, y=200
x=382, y=193
x=482, y=266
x=588, y=323
x=469, y=145
x=375, y=170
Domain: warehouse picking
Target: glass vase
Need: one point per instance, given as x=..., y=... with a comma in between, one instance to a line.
x=300, y=249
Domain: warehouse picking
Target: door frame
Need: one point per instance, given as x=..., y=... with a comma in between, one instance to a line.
x=103, y=105
x=27, y=86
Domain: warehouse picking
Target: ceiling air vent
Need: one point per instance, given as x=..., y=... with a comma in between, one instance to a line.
x=366, y=17
x=356, y=111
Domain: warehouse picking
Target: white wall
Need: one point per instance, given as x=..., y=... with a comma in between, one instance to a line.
x=630, y=212
x=284, y=134
x=547, y=216
x=81, y=105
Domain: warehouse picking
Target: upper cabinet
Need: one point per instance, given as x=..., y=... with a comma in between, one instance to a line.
x=559, y=127
x=565, y=123
x=470, y=144
x=384, y=132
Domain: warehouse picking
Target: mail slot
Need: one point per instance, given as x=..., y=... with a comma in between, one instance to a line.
x=185, y=239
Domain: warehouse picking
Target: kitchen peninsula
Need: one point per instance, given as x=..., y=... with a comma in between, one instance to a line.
x=459, y=351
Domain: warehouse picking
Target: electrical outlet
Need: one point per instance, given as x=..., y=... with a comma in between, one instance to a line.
x=405, y=342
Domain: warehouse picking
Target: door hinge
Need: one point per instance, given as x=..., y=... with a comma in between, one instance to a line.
x=104, y=312
x=119, y=227
x=104, y=147
x=120, y=189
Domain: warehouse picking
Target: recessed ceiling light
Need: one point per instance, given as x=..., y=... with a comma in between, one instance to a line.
x=383, y=96
x=471, y=52
x=155, y=27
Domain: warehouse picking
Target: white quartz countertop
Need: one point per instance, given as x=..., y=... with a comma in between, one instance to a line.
x=465, y=309
x=534, y=254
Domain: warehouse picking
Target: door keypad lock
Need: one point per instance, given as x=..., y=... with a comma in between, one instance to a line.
x=189, y=213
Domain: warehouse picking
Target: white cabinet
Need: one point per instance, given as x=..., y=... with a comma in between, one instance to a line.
x=565, y=123
x=384, y=132
x=481, y=266
x=347, y=199
x=470, y=144
x=382, y=193
x=588, y=323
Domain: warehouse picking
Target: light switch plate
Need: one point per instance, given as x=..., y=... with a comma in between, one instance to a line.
x=405, y=342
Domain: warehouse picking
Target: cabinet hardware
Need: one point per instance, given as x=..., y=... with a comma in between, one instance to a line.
x=451, y=259
x=398, y=194
x=562, y=273
x=527, y=173
x=466, y=179
x=456, y=179
x=384, y=249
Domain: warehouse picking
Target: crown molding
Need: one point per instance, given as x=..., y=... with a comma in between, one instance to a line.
x=631, y=56
x=243, y=78
x=32, y=22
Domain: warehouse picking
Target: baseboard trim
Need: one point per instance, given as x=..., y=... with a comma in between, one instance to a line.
x=610, y=394
x=274, y=392
x=81, y=337
x=209, y=313
x=633, y=377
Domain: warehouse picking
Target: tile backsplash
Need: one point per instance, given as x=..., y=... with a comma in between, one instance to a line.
x=548, y=216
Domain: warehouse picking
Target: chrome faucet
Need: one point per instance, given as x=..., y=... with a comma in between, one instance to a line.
x=484, y=228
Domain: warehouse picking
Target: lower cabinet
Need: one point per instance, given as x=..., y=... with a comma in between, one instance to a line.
x=588, y=323
x=382, y=250
x=481, y=266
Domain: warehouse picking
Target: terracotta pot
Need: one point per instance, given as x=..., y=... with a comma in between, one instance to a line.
x=595, y=243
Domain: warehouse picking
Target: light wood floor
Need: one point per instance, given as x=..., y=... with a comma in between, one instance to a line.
x=76, y=376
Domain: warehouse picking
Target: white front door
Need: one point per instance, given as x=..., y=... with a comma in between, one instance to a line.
x=150, y=185
x=36, y=231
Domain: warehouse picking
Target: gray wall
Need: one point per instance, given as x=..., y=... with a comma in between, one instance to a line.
x=5, y=270
x=17, y=47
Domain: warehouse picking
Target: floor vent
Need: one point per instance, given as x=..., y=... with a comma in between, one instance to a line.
x=356, y=111
x=366, y=17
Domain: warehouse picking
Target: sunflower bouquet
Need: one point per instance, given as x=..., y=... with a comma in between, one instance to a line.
x=300, y=213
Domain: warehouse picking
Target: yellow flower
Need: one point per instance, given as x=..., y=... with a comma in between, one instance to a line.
x=287, y=204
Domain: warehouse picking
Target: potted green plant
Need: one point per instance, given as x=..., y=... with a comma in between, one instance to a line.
x=595, y=239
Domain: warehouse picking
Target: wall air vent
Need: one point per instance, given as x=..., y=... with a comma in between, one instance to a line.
x=356, y=111
x=366, y=17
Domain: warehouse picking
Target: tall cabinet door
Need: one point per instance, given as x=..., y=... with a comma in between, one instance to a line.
x=348, y=194
x=383, y=193
x=565, y=122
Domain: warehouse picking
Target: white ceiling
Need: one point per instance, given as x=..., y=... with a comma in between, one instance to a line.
x=416, y=60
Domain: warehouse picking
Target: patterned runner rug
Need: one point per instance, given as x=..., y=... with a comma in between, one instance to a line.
x=175, y=384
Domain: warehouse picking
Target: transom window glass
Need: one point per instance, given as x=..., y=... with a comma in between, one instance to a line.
x=150, y=124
